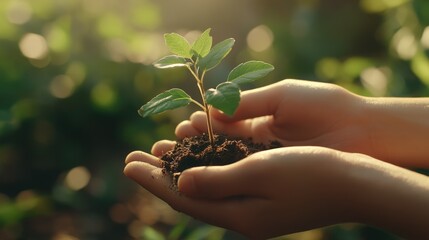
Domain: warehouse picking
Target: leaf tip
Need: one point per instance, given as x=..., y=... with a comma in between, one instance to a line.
x=141, y=112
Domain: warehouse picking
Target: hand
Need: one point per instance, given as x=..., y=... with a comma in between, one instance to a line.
x=303, y=113
x=292, y=189
x=294, y=112
x=346, y=186
x=267, y=194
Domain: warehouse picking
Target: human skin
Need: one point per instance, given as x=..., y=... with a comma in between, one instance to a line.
x=292, y=189
x=303, y=113
x=321, y=178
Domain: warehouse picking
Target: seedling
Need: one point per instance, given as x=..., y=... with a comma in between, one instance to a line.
x=199, y=58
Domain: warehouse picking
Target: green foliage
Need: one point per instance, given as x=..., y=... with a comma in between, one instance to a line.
x=202, y=45
x=73, y=104
x=167, y=100
x=249, y=71
x=178, y=45
x=149, y=233
x=199, y=58
x=225, y=97
x=171, y=62
x=216, y=54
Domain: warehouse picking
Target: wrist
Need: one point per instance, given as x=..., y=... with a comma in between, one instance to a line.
x=398, y=129
x=386, y=196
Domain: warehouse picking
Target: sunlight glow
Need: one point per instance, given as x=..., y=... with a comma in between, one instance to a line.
x=77, y=178
x=62, y=86
x=260, y=38
x=33, y=46
x=375, y=80
x=405, y=44
x=19, y=12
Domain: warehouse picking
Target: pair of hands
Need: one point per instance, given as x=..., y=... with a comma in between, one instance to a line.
x=309, y=183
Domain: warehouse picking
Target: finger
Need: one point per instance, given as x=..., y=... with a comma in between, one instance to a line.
x=161, y=147
x=186, y=129
x=198, y=121
x=219, y=182
x=139, y=156
x=146, y=174
x=256, y=103
x=154, y=180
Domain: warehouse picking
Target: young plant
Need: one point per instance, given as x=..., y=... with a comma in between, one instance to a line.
x=199, y=58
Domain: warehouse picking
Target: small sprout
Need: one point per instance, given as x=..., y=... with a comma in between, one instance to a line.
x=199, y=58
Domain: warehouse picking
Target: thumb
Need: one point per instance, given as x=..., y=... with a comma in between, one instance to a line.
x=215, y=182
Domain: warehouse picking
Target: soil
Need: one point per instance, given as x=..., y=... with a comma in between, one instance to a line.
x=197, y=151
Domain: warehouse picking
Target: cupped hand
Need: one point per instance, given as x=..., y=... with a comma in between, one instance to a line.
x=267, y=194
x=296, y=113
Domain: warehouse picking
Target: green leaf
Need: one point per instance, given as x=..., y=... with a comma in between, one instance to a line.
x=203, y=44
x=249, y=71
x=178, y=45
x=225, y=97
x=216, y=54
x=150, y=233
x=170, y=99
x=171, y=61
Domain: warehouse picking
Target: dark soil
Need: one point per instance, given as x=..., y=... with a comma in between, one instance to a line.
x=197, y=151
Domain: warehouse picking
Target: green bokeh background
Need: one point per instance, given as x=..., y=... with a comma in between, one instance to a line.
x=74, y=72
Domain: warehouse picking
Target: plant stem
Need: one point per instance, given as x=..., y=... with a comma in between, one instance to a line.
x=205, y=106
x=207, y=111
x=210, y=127
x=209, y=119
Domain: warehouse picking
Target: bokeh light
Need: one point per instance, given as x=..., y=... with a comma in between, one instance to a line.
x=328, y=68
x=103, y=96
x=77, y=71
x=77, y=178
x=33, y=46
x=62, y=86
x=58, y=40
x=375, y=80
x=19, y=12
x=260, y=38
x=405, y=43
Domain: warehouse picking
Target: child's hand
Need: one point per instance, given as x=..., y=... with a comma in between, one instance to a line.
x=303, y=113
x=292, y=189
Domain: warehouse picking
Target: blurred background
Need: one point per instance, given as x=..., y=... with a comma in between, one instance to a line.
x=74, y=72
